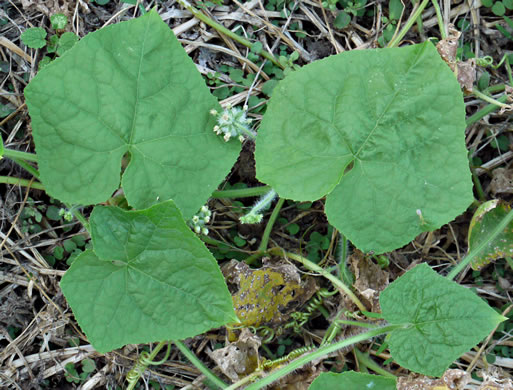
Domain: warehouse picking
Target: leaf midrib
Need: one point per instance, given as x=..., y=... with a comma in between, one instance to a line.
x=137, y=82
x=392, y=100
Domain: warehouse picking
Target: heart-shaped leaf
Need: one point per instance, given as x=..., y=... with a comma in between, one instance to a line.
x=127, y=90
x=352, y=380
x=146, y=274
x=442, y=320
x=381, y=132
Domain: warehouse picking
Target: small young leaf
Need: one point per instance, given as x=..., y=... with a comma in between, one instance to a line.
x=44, y=62
x=256, y=47
x=58, y=21
x=508, y=4
x=121, y=102
x=369, y=138
x=149, y=279
x=442, y=320
x=34, y=37
x=342, y=20
x=351, y=380
x=293, y=228
x=53, y=44
x=66, y=42
x=498, y=8
x=484, y=221
x=268, y=86
x=395, y=9
x=88, y=365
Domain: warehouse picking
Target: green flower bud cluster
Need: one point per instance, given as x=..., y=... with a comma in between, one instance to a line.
x=67, y=215
x=233, y=123
x=198, y=222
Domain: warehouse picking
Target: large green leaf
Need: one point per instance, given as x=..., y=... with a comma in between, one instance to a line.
x=129, y=89
x=442, y=320
x=149, y=279
x=351, y=380
x=381, y=132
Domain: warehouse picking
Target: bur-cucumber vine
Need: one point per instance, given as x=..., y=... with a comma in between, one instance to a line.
x=362, y=128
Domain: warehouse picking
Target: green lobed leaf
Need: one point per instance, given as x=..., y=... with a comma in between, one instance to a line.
x=66, y=42
x=381, y=132
x=485, y=220
x=442, y=320
x=58, y=21
x=352, y=380
x=127, y=90
x=149, y=279
x=34, y=37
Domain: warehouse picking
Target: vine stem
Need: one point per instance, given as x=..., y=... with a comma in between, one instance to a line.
x=439, y=19
x=153, y=355
x=199, y=365
x=485, y=111
x=21, y=182
x=241, y=193
x=220, y=28
x=20, y=155
x=314, y=267
x=366, y=361
x=480, y=248
x=318, y=353
x=413, y=17
x=489, y=99
x=269, y=227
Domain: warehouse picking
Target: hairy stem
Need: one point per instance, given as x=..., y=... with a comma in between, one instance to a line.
x=241, y=193
x=141, y=366
x=269, y=227
x=366, y=361
x=314, y=267
x=318, y=353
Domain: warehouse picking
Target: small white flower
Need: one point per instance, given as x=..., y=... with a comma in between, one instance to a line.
x=197, y=229
x=213, y=112
x=204, y=231
x=195, y=219
x=227, y=137
x=241, y=138
x=207, y=219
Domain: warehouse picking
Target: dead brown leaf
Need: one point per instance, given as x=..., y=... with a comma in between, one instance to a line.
x=451, y=380
x=370, y=279
x=465, y=71
x=502, y=181
x=240, y=358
